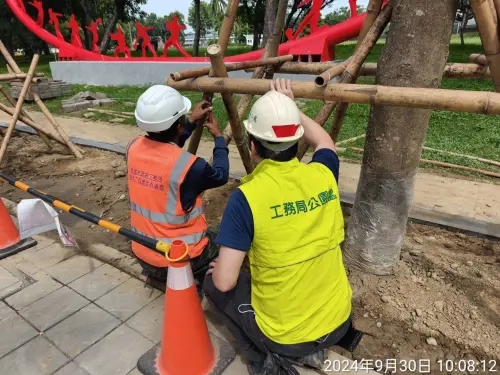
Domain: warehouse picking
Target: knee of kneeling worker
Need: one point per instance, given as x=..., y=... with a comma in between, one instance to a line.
x=209, y=287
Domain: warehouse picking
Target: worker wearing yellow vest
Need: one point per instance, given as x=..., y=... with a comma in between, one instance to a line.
x=166, y=183
x=286, y=216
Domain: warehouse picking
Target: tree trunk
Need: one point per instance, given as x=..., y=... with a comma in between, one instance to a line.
x=110, y=27
x=257, y=27
x=290, y=16
x=463, y=25
x=269, y=19
x=197, y=31
x=87, y=19
x=415, y=55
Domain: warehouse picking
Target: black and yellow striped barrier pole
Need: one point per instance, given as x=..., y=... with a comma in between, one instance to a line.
x=155, y=245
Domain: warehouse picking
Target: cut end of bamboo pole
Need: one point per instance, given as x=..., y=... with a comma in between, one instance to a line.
x=320, y=81
x=214, y=50
x=175, y=76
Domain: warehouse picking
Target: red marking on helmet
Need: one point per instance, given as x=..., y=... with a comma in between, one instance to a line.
x=284, y=131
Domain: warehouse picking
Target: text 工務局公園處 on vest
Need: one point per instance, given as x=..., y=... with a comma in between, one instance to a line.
x=300, y=290
x=156, y=172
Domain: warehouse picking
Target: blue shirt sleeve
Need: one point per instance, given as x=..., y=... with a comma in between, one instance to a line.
x=188, y=130
x=237, y=228
x=203, y=176
x=329, y=159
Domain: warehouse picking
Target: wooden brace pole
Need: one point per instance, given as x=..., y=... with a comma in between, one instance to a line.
x=477, y=58
x=374, y=31
x=28, y=121
x=11, y=100
x=14, y=76
x=225, y=34
x=41, y=105
x=270, y=50
x=217, y=60
x=19, y=106
x=199, y=72
x=351, y=72
x=487, y=23
x=451, y=70
x=482, y=102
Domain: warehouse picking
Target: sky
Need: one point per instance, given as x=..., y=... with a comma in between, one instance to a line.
x=164, y=7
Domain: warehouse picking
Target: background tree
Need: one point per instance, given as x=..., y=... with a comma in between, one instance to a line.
x=296, y=14
x=339, y=15
x=269, y=19
x=464, y=14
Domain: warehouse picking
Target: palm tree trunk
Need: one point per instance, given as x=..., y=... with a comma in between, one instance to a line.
x=197, y=31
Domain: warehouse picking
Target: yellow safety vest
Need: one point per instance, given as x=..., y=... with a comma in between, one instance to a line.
x=300, y=290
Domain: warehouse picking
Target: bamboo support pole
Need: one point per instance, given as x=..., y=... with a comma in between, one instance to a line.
x=376, y=27
x=13, y=65
x=451, y=70
x=372, y=11
x=13, y=76
x=363, y=49
x=19, y=106
x=349, y=140
x=487, y=23
x=482, y=102
x=351, y=72
x=32, y=124
x=217, y=60
x=440, y=164
x=270, y=50
x=497, y=8
x=477, y=58
x=336, y=70
x=477, y=158
x=199, y=72
x=111, y=113
x=11, y=100
x=225, y=34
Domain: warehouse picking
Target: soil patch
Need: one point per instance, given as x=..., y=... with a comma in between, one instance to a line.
x=441, y=303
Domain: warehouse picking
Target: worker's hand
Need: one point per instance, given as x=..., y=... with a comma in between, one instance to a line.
x=211, y=266
x=200, y=112
x=283, y=86
x=213, y=127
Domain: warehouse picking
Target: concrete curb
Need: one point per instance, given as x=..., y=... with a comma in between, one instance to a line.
x=419, y=214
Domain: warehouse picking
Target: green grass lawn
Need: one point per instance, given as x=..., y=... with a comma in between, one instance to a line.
x=464, y=133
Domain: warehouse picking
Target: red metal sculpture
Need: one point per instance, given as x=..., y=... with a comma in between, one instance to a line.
x=21, y=5
x=311, y=19
x=54, y=20
x=354, y=7
x=142, y=32
x=94, y=29
x=321, y=43
x=175, y=36
x=40, y=18
x=76, y=40
x=122, y=47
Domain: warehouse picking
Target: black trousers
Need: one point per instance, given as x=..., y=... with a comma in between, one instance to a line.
x=199, y=265
x=235, y=311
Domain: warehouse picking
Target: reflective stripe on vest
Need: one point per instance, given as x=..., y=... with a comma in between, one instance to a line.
x=190, y=240
x=167, y=217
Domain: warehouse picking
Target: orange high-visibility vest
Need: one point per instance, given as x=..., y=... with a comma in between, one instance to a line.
x=156, y=172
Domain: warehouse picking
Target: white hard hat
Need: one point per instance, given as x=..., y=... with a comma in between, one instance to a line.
x=275, y=118
x=159, y=108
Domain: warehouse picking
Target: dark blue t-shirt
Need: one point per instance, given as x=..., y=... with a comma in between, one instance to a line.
x=237, y=227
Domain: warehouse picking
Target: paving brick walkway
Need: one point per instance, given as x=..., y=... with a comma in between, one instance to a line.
x=63, y=312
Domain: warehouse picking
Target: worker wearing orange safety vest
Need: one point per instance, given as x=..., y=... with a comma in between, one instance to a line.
x=286, y=217
x=166, y=183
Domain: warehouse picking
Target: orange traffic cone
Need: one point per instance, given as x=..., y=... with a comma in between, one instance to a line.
x=10, y=241
x=187, y=348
